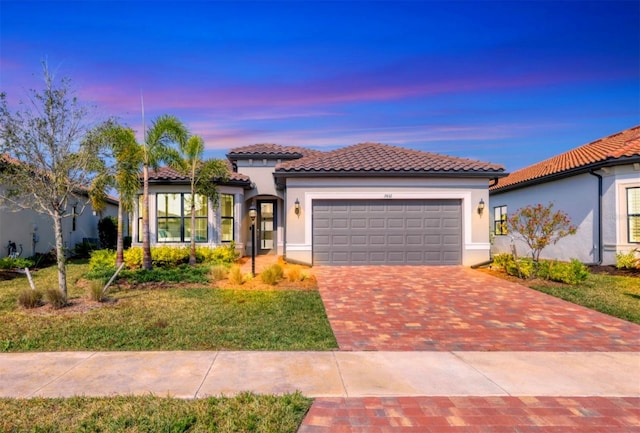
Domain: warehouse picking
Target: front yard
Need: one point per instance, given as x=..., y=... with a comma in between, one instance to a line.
x=164, y=317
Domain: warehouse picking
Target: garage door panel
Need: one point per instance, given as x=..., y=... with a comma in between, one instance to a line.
x=377, y=223
x=360, y=232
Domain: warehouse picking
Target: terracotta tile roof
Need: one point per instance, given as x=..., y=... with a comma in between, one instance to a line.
x=273, y=150
x=381, y=158
x=168, y=174
x=616, y=148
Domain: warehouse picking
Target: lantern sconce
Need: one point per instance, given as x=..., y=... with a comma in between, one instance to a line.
x=296, y=207
x=480, y=207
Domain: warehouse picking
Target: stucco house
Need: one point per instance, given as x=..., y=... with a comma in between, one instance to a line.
x=596, y=184
x=364, y=204
x=34, y=231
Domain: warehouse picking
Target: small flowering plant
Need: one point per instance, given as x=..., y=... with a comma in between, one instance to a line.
x=539, y=226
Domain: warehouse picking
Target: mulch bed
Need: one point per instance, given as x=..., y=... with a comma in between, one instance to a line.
x=612, y=270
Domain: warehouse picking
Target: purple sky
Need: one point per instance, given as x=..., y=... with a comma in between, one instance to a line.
x=503, y=82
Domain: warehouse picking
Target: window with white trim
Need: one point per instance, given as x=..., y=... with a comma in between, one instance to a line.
x=500, y=220
x=226, y=217
x=633, y=214
x=173, y=217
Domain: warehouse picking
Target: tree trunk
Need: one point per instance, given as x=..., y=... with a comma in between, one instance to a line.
x=60, y=258
x=119, y=240
x=146, y=243
x=192, y=253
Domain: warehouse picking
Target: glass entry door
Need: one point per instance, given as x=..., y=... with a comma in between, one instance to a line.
x=267, y=225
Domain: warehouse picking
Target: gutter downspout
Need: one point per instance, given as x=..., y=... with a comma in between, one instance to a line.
x=593, y=173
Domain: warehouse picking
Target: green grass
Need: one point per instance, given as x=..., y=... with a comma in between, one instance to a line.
x=614, y=295
x=244, y=413
x=172, y=318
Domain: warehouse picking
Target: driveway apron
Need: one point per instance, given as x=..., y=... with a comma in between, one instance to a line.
x=453, y=308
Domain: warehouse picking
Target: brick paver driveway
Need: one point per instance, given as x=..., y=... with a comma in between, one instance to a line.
x=459, y=309
x=452, y=308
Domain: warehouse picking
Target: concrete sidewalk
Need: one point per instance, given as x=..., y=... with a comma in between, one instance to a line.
x=321, y=374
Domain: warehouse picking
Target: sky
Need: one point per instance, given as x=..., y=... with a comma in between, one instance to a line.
x=511, y=83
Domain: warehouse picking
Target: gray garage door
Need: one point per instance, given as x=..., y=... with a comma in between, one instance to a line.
x=390, y=232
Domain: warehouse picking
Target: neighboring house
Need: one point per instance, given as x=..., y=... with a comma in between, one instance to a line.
x=597, y=184
x=363, y=204
x=34, y=231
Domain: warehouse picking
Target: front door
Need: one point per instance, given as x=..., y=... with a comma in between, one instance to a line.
x=267, y=224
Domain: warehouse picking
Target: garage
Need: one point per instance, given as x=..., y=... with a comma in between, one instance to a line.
x=387, y=232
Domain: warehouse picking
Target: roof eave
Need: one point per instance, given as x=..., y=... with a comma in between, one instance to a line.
x=567, y=173
x=280, y=176
x=281, y=156
x=389, y=173
x=229, y=182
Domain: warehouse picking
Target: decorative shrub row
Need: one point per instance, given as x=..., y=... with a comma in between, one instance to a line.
x=573, y=272
x=102, y=262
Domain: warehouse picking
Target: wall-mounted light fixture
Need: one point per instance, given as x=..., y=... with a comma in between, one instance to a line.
x=296, y=207
x=480, y=207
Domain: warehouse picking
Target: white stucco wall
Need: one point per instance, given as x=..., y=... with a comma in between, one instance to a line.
x=615, y=238
x=260, y=171
x=578, y=197
x=21, y=225
x=298, y=236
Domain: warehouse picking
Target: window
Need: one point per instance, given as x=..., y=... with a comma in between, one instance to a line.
x=500, y=220
x=174, y=217
x=226, y=215
x=633, y=213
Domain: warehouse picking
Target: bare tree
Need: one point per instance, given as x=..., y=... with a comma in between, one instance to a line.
x=46, y=163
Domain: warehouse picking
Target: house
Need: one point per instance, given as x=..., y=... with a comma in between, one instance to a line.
x=33, y=232
x=364, y=204
x=597, y=185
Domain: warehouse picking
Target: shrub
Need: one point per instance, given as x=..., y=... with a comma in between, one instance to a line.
x=294, y=273
x=108, y=232
x=55, y=298
x=84, y=249
x=102, y=264
x=627, y=260
x=218, y=272
x=224, y=254
x=271, y=274
x=522, y=268
x=235, y=275
x=9, y=263
x=168, y=256
x=133, y=258
x=573, y=272
x=29, y=298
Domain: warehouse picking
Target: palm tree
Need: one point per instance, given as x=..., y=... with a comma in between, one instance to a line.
x=121, y=147
x=157, y=148
x=203, y=175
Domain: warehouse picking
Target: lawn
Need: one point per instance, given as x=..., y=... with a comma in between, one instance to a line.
x=173, y=317
x=148, y=414
x=617, y=296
